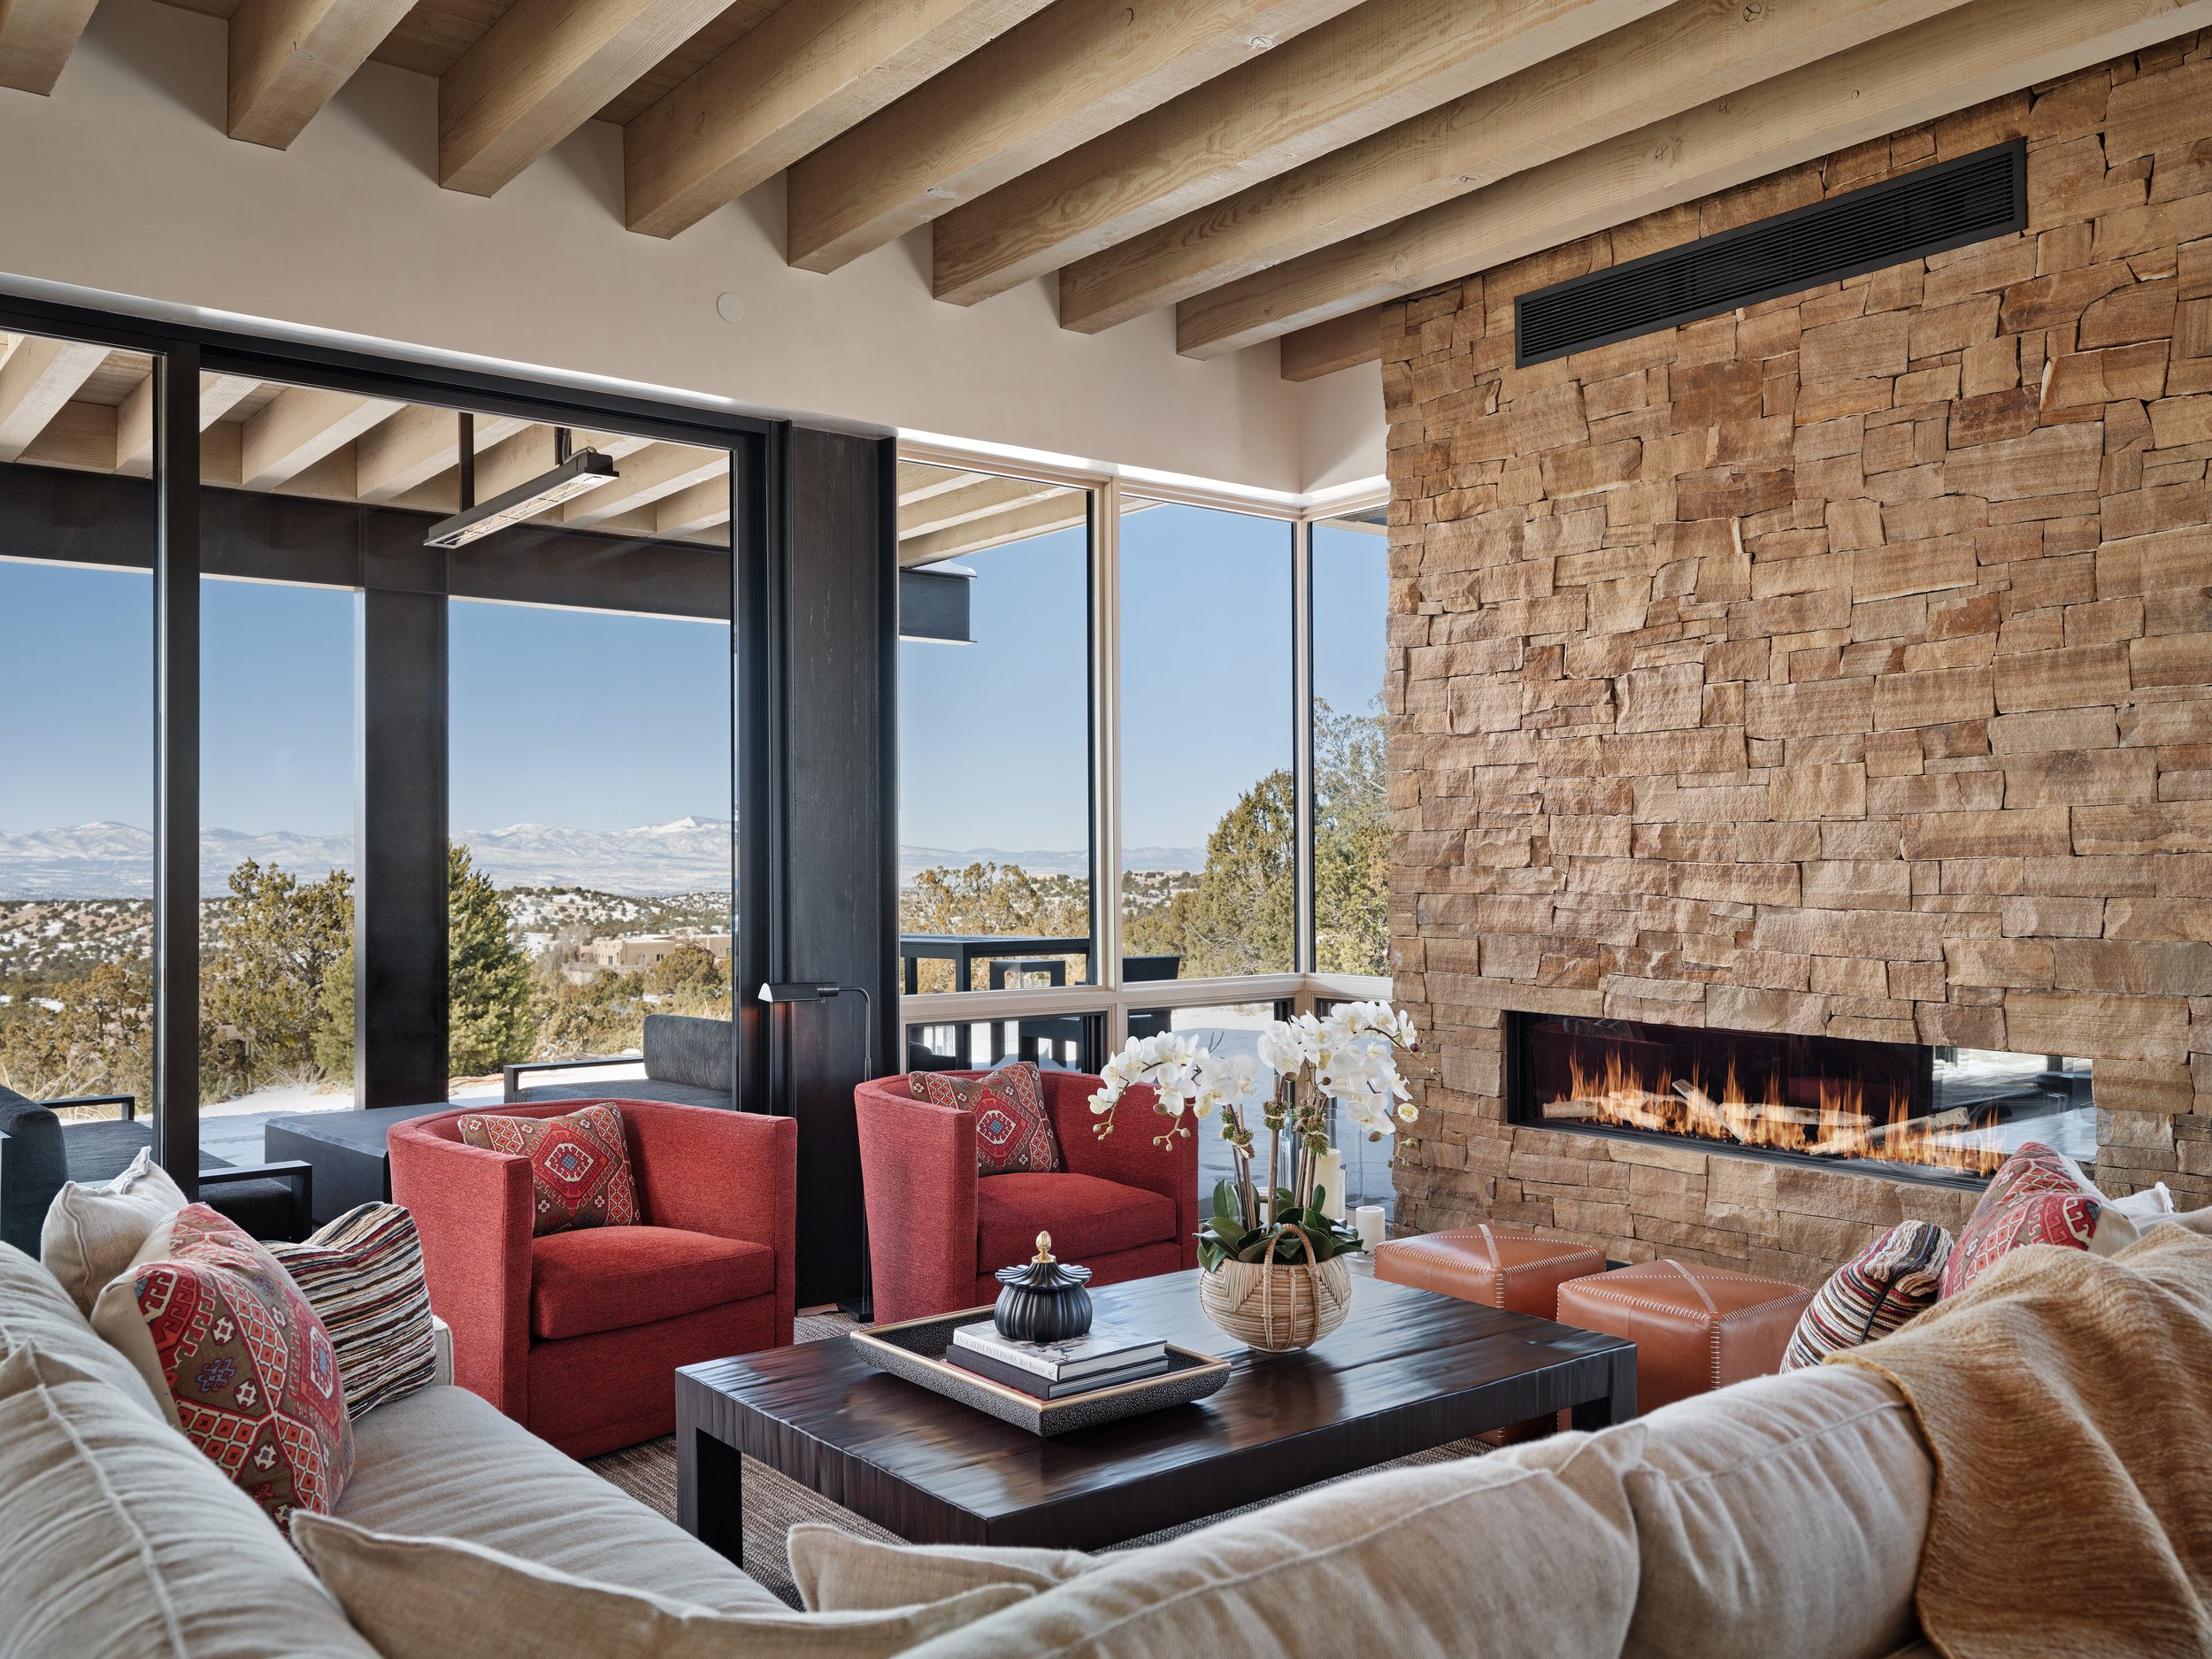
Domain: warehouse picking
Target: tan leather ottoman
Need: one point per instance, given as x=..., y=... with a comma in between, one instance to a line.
x=1520, y=1272
x=1695, y=1328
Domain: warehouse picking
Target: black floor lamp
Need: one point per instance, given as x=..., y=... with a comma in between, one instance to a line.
x=776, y=993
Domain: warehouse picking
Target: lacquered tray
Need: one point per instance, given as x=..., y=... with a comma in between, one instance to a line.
x=915, y=1349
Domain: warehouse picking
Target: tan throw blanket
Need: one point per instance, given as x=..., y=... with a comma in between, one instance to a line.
x=2068, y=1401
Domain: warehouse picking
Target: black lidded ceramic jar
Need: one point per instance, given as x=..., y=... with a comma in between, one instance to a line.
x=1043, y=1300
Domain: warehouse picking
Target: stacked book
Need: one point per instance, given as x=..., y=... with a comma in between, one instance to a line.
x=1052, y=1371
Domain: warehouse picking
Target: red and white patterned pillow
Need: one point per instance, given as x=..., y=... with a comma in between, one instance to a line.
x=2040, y=1196
x=236, y=1354
x=580, y=1164
x=1013, y=1132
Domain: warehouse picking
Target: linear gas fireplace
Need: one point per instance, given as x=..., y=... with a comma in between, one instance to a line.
x=1892, y=1108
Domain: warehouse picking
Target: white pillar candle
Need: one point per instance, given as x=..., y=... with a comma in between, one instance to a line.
x=1369, y=1219
x=1331, y=1174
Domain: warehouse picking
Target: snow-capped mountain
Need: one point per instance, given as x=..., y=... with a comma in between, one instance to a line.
x=691, y=855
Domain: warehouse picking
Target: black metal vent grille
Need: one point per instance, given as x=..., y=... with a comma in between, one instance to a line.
x=1945, y=206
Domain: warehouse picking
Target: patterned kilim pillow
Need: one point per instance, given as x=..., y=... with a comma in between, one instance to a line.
x=236, y=1352
x=363, y=1275
x=1013, y=1133
x=2039, y=1196
x=578, y=1164
x=1872, y=1294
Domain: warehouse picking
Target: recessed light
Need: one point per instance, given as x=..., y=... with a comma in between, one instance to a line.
x=942, y=193
x=1261, y=42
x=730, y=307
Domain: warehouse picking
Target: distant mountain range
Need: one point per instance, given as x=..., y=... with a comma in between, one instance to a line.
x=115, y=861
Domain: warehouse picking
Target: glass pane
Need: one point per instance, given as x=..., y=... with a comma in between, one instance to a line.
x=1055, y=1041
x=1351, y=791
x=276, y=851
x=76, y=745
x=590, y=765
x=1209, y=797
x=995, y=731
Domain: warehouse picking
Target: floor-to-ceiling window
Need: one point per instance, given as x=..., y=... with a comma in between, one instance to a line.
x=1351, y=822
x=1209, y=779
x=995, y=804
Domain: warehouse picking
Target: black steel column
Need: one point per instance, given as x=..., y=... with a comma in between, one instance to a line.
x=176, y=930
x=400, y=988
x=756, y=758
x=839, y=873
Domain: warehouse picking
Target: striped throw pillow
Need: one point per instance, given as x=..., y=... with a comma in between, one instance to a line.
x=1872, y=1294
x=363, y=1276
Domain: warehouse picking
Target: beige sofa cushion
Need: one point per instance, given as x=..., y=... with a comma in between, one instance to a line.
x=1782, y=1514
x=837, y=1572
x=36, y=1312
x=118, y=1540
x=437, y=1598
x=442, y=1463
x=92, y=1233
x=1483, y=1558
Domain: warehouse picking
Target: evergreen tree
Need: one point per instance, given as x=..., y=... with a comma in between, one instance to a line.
x=333, y=1020
x=1351, y=842
x=268, y=949
x=1242, y=918
x=488, y=977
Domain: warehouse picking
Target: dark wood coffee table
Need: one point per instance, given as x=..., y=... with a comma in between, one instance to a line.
x=1409, y=1371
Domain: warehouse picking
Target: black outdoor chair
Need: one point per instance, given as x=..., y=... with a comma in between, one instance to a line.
x=38, y=1152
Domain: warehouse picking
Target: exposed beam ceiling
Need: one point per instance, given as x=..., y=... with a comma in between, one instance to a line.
x=1065, y=511
x=542, y=71
x=918, y=481
x=1363, y=71
x=808, y=73
x=39, y=376
x=36, y=37
x=220, y=394
x=288, y=59
x=1076, y=70
x=1968, y=54
x=416, y=444
x=1653, y=69
x=687, y=512
x=302, y=426
x=657, y=471
x=982, y=499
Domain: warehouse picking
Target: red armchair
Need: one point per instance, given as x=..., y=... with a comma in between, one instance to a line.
x=1123, y=1206
x=578, y=1335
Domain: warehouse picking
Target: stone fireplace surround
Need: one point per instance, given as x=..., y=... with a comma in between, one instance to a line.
x=1839, y=665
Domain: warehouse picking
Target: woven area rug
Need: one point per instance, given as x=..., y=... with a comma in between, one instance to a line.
x=774, y=1504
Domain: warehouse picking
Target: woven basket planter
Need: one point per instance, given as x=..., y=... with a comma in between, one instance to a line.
x=1275, y=1307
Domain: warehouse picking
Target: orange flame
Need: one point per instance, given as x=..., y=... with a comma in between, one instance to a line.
x=1836, y=1123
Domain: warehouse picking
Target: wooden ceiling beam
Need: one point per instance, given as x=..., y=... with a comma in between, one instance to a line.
x=1341, y=342
x=288, y=59
x=1069, y=509
x=36, y=37
x=982, y=499
x=1649, y=71
x=542, y=70
x=1369, y=68
x=1964, y=56
x=416, y=444
x=918, y=480
x=788, y=87
x=302, y=426
x=657, y=471
x=1076, y=70
x=220, y=394
x=38, y=376
x=700, y=507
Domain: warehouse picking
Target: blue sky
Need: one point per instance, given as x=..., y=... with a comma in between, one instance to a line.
x=604, y=722
x=589, y=721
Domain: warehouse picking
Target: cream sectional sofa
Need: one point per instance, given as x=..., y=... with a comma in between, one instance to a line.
x=1781, y=1515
